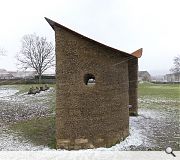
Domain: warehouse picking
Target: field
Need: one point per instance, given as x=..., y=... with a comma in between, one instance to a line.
x=28, y=121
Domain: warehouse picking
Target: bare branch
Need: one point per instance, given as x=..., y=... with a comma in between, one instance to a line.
x=2, y=52
x=176, y=68
x=37, y=53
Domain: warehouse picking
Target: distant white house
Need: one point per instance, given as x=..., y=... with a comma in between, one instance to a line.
x=144, y=76
x=157, y=78
x=4, y=74
x=175, y=77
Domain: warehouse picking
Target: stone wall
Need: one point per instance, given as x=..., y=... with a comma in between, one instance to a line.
x=133, y=86
x=89, y=116
x=25, y=81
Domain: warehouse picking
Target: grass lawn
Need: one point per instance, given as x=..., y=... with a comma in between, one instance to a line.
x=162, y=103
x=41, y=130
x=166, y=91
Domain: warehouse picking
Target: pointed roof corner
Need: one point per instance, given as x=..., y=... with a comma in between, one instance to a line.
x=51, y=23
x=137, y=53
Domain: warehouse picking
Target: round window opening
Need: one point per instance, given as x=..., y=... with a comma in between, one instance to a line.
x=89, y=79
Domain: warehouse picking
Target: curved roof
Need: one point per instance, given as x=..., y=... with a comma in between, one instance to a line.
x=136, y=54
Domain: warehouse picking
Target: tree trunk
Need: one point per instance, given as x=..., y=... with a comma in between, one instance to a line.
x=40, y=76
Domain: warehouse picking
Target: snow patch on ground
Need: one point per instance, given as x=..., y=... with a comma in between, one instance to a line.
x=5, y=92
x=13, y=142
x=23, y=106
x=15, y=107
x=156, y=100
x=133, y=140
x=136, y=137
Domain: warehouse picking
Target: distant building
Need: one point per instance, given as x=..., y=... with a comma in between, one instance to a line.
x=144, y=76
x=23, y=74
x=157, y=78
x=4, y=74
x=175, y=77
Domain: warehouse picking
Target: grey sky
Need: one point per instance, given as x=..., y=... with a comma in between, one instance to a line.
x=126, y=25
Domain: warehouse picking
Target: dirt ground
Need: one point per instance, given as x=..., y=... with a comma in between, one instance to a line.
x=156, y=127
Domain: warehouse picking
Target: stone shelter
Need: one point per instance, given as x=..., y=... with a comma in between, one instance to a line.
x=96, y=89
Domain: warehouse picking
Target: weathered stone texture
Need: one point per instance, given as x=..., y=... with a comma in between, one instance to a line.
x=133, y=85
x=88, y=117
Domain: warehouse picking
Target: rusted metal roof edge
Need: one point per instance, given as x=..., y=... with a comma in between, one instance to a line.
x=138, y=53
x=53, y=23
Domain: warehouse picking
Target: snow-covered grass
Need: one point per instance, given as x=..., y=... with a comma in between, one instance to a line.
x=40, y=131
x=10, y=141
x=26, y=120
x=5, y=92
x=17, y=107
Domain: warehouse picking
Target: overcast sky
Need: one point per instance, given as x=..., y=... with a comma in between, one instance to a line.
x=127, y=25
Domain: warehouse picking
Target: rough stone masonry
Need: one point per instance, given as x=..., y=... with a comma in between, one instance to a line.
x=95, y=85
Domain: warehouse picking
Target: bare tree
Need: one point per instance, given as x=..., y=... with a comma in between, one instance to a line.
x=176, y=68
x=2, y=52
x=36, y=53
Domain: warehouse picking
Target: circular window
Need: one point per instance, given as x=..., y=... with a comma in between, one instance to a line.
x=89, y=79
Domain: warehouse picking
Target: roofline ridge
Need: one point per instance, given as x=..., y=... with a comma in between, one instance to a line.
x=136, y=54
